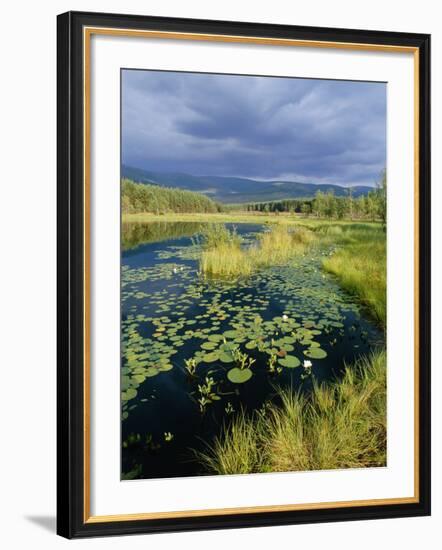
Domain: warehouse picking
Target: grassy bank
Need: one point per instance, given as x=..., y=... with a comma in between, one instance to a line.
x=342, y=425
x=224, y=255
x=237, y=217
x=360, y=264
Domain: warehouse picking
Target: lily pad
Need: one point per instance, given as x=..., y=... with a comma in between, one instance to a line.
x=215, y=337
x=290, y=361
x=287, y=347
x=226, y=357
x=166, y=366
x=231, y=334
x=151, y=371
x=130, y=393
x=251, y=344
x=209, y=345
x=239, y=376
x=315, y=353
x=210, y=357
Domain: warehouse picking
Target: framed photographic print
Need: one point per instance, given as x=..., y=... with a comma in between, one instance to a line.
x=243, y=274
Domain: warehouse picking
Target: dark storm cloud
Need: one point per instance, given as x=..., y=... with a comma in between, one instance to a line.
x=258, y=127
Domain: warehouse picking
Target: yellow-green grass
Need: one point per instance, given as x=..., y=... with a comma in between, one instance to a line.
x=225, y=261
x=239, y=217
x=224, y=257
x=360, y=265
x=340, y=425
x=280, y=244
x=220, y=217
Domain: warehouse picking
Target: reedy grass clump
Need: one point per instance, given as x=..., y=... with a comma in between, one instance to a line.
x=341, y=425
x=280, y=244
x=224, y=255
x=217, y=234
x=225, y=261
x=361, y=267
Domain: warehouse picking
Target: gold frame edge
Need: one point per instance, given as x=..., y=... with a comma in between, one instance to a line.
x=87, y=33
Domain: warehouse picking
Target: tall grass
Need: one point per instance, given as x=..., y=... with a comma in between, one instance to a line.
x=280, y=244
x=342, y=425
x=225, y=261
x=224, y=253
x=360, y=264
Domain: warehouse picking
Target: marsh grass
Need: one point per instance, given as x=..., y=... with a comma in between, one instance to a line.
x=341, y=425
x=225, y=261
x=222, y=254
x=360, y=264
x=225, y=255
x=280, y=244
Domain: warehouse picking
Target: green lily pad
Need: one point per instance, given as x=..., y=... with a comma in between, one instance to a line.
x=210, y=357
x=151, y=371
x=315, y=353
x=209, y=345
x=239, y=376
x=290, y=361
x=130, y=393
x=166, y=366
x=287, y=347
x=228, y=348
x=230, y=334
x=226, y=357
x=125, y=382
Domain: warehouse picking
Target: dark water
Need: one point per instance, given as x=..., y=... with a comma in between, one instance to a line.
x=293, y=313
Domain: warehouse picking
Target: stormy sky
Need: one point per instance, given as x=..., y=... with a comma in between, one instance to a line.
x=318, y=131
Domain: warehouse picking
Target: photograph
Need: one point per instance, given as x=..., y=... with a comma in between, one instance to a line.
x=253, y=274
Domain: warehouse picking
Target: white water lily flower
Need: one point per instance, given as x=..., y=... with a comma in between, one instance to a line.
x=307, y=364
x=284, y=317
x=175, y=270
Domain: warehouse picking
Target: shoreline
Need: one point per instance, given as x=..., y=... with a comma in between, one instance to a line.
x=240, y=217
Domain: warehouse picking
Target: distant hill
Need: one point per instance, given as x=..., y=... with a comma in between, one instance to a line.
x=231, y=190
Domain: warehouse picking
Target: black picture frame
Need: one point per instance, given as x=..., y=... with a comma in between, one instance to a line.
x=71, y=520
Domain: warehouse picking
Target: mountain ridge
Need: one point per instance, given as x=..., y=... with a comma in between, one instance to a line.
x=231, y=190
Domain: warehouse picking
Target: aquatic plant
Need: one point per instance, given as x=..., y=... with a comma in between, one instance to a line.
x=214, y=235
x=134, y=473
x=191, y=365
x=225, y=261
x=150, y=444
x=224, y=257
x=229, y=409
x=342, y=425
x=280, y=244
x=132, y=439
x=206, y=393
x=243, y=372
x=272, y=363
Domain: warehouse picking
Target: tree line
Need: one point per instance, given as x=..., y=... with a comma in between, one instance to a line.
x=140, y=197
x=372, y=206
x=285, y=205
